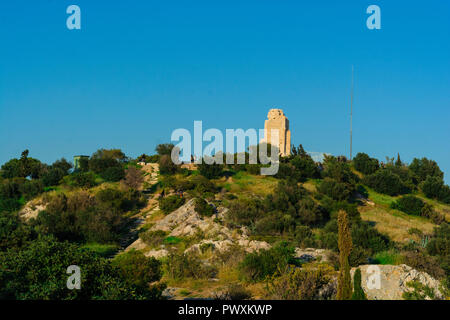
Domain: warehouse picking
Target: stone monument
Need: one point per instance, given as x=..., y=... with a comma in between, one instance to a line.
x=277, y=120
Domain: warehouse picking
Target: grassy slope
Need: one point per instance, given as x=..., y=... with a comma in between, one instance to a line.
x=395, y=223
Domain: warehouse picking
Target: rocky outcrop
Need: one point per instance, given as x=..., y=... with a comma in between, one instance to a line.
x=185, y=221
x=32, y=209
x=393, y=281
x=312, y=254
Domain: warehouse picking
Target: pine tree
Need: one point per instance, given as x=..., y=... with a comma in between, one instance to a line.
x=398, y=163
x=344, y=290
x=301, y=152
x=358, y=292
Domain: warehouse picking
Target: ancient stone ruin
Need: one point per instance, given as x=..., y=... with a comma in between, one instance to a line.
x=277, y=120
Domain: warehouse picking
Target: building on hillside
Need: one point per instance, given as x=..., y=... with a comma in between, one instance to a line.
x=77, y=161
x=277, y=120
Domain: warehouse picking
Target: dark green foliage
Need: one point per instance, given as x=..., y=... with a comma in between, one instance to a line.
x=80, y=179
x=433, y=187
x=166, y=166
x=53, y=177
x=113, y=174
x=137, y=269
x=304, y=237
x=338, y=170
x=170, y=203
x=210, y=171
x=203, y=208
x=363, y=163
x=358, y=292
x=13, y=233
x=367, y=237
x=38, y=272
x=424, y=167
x=384, y=181
x=164, y=149
x=148, y=159
x=409, y=204
x=344, y=290
x=184, y=265
x=245, y=211
x=336, y=190
x=305, y=167
x=83, y=218
x=259, y=265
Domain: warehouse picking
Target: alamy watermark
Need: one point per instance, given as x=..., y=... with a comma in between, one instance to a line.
x=214, y=152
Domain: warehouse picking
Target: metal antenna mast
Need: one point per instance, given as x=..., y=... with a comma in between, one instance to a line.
x=351, y=117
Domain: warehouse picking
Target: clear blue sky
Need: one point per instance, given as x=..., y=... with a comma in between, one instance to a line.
x=139, y=69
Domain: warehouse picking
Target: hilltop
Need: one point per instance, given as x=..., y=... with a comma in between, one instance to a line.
x=225, y=231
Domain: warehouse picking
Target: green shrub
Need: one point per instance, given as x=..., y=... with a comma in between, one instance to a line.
x=170, y=203
x=384, y=181
x=137, y=268
x=203, y=208
x=358, y=292
x=80, y=179
x=311, y=282
x=113, y=174
x=424, y=167
x=363, y=163
x=336, y=190
x=409, y=204
x=388, y=257
x=210, y=171
x=419, y=291
x=153, y=238
x=257, y=266
x=184, y=265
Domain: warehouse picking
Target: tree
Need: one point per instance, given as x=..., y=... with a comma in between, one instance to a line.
x=399, y=162
x=358, y=292
x=164, y=149
x=210, y=171
x=363, y=163
x=166, y=165
x=38, y=272
x=344, y=291
x=425, y=167
x=133, y=178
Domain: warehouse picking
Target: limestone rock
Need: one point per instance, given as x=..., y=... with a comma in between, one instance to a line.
x=393, y=280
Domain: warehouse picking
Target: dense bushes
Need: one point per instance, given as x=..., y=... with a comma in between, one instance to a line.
x=184, y=265
x=210, y=171
x=38, y=272
x=363, y=163
x=203, y=208
x=81, y=217
x=415, y=206
x=433, y=187
x=259, y=265
x=384, y=181
x=424, y=167
x=409, y=204
x=137, y=268
x=336, y=190
x=170, y=203
x=310, y=282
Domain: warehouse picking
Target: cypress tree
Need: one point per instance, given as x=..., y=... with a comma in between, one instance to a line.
x=344, y=290
x=358, y=292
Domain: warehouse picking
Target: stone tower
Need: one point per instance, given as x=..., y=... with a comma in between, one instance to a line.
x=277, y=120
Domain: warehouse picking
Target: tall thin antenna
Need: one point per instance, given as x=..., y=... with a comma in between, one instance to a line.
x=351, y=116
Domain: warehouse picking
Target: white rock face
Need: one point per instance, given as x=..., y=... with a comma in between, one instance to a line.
x=185, y=221
x=393, y=280
x=32, y=209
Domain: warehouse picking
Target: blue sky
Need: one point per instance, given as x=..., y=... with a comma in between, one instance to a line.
x=139, y=69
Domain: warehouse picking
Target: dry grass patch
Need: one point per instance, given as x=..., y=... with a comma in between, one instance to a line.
x=394, y=223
